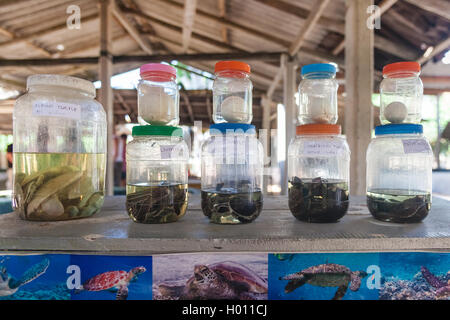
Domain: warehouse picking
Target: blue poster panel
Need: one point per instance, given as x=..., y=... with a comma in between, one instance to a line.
x=324, y=276
x=34, y=277
x=210, y=277
x=415, y=276
x=94, y=277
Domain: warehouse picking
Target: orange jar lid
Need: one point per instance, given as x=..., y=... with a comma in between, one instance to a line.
x=404, y=66
x=318, y=128
x=232, y=66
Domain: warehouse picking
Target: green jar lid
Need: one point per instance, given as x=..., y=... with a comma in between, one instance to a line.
x=151, y=130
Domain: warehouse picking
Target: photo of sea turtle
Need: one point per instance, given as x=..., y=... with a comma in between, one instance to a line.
x=326, y=275
x=114, y=281
x=9, y=284
x=210, y=277
x=113, y=277
x=33, y=277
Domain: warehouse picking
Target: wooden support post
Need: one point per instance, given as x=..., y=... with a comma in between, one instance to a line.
x=289, y=88
x=106, y=92
x=190, y=7
x=266, y=105
x=359, y=61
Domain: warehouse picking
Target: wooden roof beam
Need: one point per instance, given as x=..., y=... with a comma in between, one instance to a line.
x=222, y=4
x=132, y=31
x=384, y=6
x=438, y=7
x=444, y=45
x=190, y=6
x=13, y=36
x=308, y=25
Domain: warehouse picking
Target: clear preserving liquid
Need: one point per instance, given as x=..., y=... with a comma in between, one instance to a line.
x=401, y=206
x=318, y=200
x=58, y=186
x=156, y=204
x=231, y=207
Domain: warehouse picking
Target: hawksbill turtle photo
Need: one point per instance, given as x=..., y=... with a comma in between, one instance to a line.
x=326, y=275
x=223, y=280
x=9, y=285
x=113, y=281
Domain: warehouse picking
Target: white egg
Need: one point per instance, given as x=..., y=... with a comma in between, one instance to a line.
x=156, y=106
x=395, y=112
x=233, y=109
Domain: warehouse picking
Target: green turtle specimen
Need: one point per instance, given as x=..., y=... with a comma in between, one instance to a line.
x=326, y=275
x=223, y=280
x=9, y=285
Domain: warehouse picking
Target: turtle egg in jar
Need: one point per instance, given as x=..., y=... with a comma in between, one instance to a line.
x=395, y=112
x=232, y=109
x=158, y=96
x=232, y=93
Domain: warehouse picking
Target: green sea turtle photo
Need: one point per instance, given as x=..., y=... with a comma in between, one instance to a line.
x=326, y=275
x=9, y=285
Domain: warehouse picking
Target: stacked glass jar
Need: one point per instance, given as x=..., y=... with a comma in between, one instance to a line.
x=399, y=158
x=232, y=157
x=157, y=157
x=319, y=156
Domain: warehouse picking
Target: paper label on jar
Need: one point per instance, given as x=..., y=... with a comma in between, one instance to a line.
x=56, y=109
x=415, y=146
x=323, y=148
x=166, y=151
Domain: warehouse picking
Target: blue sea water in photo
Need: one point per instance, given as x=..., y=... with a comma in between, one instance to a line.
x=414, y=275
x=91, y=266
x=279, y=267
x=43, y=285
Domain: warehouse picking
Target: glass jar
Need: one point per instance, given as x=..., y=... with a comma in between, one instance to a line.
x=157, y=174
x=232, y=170
x=401, y=92
x=318, y=94
x=158, y=96
x=59, y=149
x=232, y=93
x=318, y=171
x=399, y=170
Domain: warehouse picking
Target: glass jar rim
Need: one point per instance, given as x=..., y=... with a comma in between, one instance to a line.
x=61, y=81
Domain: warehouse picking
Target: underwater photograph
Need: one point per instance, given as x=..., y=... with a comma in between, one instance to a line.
x=415, y=276
x=210, y=277
x=324, y=276
x=34, y=277
x=113, y=277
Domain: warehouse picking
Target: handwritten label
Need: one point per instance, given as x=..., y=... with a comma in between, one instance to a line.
x=56, y=109
x=415, y=146
x=323, y=148
x=166, y=151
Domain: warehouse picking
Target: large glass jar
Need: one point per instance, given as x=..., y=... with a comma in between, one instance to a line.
x=157, y=174
x=232, y=93
x=401, y=92
x=232, y=170
x=158, y=95
x=59, y=149
x=318, y=94
x=399, y=170
x=318, y=171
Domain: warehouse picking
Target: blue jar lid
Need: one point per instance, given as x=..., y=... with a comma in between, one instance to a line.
x=223, y=127
x=401, y=128
x=318, y=67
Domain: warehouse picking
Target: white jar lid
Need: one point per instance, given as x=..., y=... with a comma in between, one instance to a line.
x=62, y=81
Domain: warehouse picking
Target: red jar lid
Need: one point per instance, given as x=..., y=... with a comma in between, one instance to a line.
x=232, y=66
x=157, y=72
x=318, y=128
x=405, y=66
